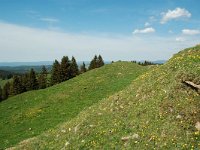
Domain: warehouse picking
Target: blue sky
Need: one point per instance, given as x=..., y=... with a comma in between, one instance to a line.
x=117, y=29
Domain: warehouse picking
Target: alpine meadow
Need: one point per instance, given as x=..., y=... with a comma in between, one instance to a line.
x=95, y=75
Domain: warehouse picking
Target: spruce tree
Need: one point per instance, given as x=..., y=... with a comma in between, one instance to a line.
x=91, y=66
x=55, y=73
x=33, y=83
x=11, y=90
x=25, y=82
x=42, y=79
x=5, y=92
x=44, y=70
x=1, y=94
x=65, y=69
x=16, y=85
x=73, y=68
x=100, y=61
x=8, y=85
x=83, y=68
x=93, y=63
x=23, y=88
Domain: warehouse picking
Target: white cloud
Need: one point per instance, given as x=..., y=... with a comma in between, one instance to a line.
x=180, y=39
x=49, y=20
x=20, y=43
x=146, y=30
x=190, y=32
x=147, y=24
x=175, y=14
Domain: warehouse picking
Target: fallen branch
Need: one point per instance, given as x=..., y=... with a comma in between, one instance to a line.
x=192, y=84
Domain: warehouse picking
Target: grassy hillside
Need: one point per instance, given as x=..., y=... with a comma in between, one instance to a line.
x=31, y=113
x=157, y=111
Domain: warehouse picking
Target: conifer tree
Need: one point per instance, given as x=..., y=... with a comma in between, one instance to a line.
x=23, y=88
x=91, y=66
x=42, y=79
x=11, y=90
x=25, y=82
x=5, y=92
x=1, y=94
x=93, y=63
x=100, y=61
x=8, y=86
x=33, y=83
x=44, y=70
x=42, y=84
x=55, y=73
x=64, y=69
x=73, y=68
x=16, y=85
x=83, y=68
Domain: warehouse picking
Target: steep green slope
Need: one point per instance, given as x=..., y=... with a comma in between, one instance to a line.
x=31, y=113
x=157, y=111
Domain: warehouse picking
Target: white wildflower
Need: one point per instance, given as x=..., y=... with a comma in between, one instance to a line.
x=197, y=126
x=178, y=117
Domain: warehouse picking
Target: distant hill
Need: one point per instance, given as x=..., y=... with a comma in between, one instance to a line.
x=14, y=64
x=22, y=67
x=39, y=63
x=157, y=111
x=6, y=74
x=155, y=62
x=159, y=61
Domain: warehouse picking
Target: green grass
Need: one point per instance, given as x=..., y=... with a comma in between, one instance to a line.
x=31, y=113
x=157, y=111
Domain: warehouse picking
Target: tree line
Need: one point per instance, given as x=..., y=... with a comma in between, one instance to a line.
x=145, y=63
x=61, y=71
